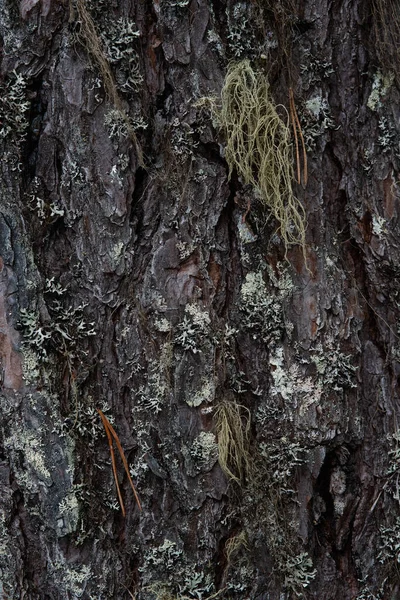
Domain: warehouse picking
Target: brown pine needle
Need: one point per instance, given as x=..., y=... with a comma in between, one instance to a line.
x=110, y=431
x=296, y=126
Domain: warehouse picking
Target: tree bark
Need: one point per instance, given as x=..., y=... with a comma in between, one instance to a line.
x=252, y=385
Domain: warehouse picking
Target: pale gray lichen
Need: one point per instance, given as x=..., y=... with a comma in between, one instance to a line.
x=183, y=140
x=34, y=462
x=316, y=119
x=315, y=69
x=63, y=333
x=119, y=39
x=381, y=84
x=120, y=126
x=194, y=329
x=283, y=457
x=262, y=308
x=71, y=579
x=176, y=578
x=299, y=573
x=389, y=549
x=14, y=108
x=152, y=396
x=202, y=454
x=241, y=33
x=290, y=383
x=335, y=370
x=388, y=136
x=47, y=211
x=206, y=393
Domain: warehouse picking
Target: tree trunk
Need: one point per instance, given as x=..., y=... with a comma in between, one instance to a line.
x=154, y=268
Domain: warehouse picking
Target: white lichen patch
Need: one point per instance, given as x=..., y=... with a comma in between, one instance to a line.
x=380, y=86
x=205, y=394
x=185, y=249
x=30, y=365
x=262, y=308
x=283, y=457
x=246, y=235
x=68, y=514
x=163, y=325
x=299, y=572
x=34, y=459
x=335, y=370
x=14, y=108
x=166, y=554
x=316, y=119
x=379, y=226
x=4, y=549
x=152, y=396
x=202, y=454
x=194, y=328
x=290, y=383
x=70, y=579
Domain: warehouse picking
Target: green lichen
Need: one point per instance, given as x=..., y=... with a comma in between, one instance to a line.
x=258, y=147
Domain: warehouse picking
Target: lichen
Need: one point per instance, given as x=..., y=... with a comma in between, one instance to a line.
x=381, y=84
x=71, y=579
x=34, y=461
x=119, y=38
x=262, y=308
x=316, y=120
x=258, y=147
x=232, y=425
x=202, y=454
x=335, y=369
x=14, y=108
x=205, y=393
x=290, y=383
x=194, y=329
x=152, y=395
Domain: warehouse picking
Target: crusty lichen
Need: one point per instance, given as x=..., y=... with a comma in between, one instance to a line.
x=381, y=84
x=262, y=307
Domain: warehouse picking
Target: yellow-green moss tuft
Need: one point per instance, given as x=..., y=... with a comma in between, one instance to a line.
x=258, y=147
x=233, y=440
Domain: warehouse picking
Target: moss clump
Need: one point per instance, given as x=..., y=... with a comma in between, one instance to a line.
x=233, y=440
x=258, y=147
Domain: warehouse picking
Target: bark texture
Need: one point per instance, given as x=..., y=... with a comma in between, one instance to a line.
x=255, y=394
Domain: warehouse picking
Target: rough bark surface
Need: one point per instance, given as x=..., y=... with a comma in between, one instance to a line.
x=161, y=293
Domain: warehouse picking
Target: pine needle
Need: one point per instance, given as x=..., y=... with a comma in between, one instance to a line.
x=298, y=132
x=110, y=431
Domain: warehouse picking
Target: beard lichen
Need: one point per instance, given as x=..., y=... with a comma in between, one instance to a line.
x=233, y=440
x=258, y=147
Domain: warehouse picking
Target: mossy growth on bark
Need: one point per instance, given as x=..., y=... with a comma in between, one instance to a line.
x=233, y=440
x=259, y=149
